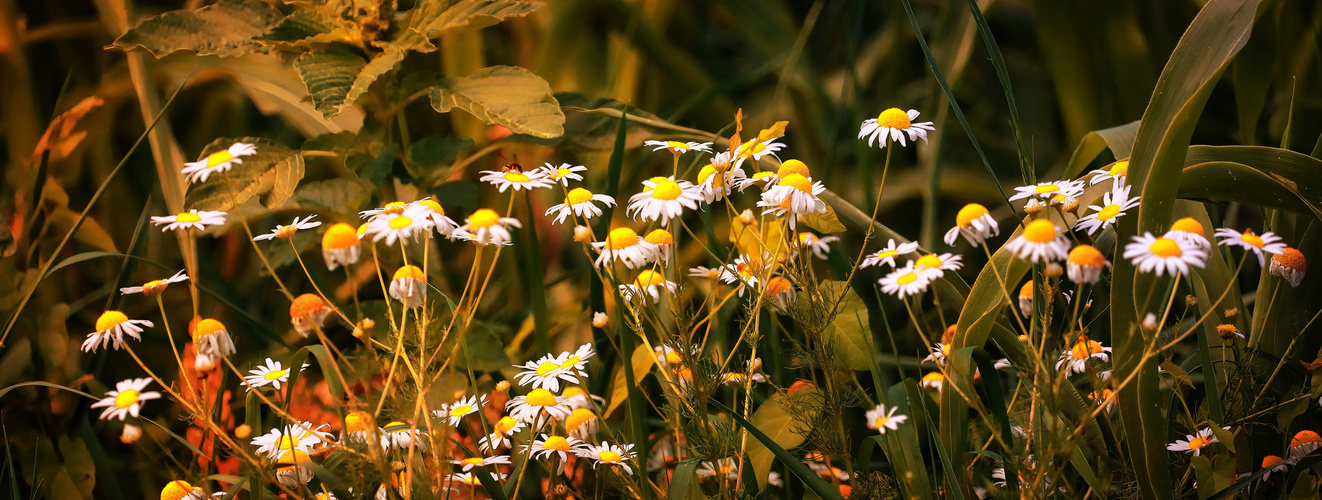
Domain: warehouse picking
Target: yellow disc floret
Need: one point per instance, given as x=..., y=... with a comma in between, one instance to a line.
x=1040, y=231
x=1164, y=247
x=1188, y=225
x=649, y=278
x=1087, y=256
x=620, y=238
x=339, y=237
x=409, y=272
x=578, y=195
x=894, y=118
x=483, y=217
x=970, y=212
x=798, y=182
x=660, y=237
x=541, y=397
x=793, y=167
x=188, y=217
x=110, y=319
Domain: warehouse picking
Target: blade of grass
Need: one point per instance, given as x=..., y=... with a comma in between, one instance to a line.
x=809, y=478
x=947, y=466
x=1026, y=169
x=534, y=279
x=126, y=268
x=683, y=476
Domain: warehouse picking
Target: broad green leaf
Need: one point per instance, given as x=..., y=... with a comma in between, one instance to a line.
x=846, y=331
x=903, y=448
x=682, y=479
x=309, y=25
x=379, y=65
x=1119, y=139
x=329, y=74
x=823, y=223
x=642, y=359
x=256, y=175
x=430, y=153
x=1228, y=181
x=503, y=95
x=333, y=195
x=785, y=420
x=225, y=28
x=287, y=175
x=437, y=18
x=778, y=452
x=1177, y=373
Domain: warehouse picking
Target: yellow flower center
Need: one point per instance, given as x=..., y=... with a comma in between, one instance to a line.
x=666, y=189
x=505, y=424
x=907, y=278
x=793, y=167
x=578, y=195
x=1108, y=212
x=887, y=253
x=752, y=147
x=188, y=217
x=541, y=397
x=660, y=237
x=400, y=222
x=928, y=261
x=461, y=410
x=393, y=207
x=1291, y=259
x=934, y=377
x=275, y=374
x=707, y=172
x=1120, y=168
x=561, y=172
x=798, y=182
x=207, y=327
x=516, y=177
x=292, y=457
x=1046, y=188
x=357, y=421
x=1040, y=231
x=546, y=367
x=154, y=286
x=573, y=390
x=578, y=418
x=621, y=238
x=110, y=319
x=1198, y=443
x=484, y=217
x=807, y=238
x=556, y=443
x=1188, y=225
x=673, y=358
x=432, y=205
x=970, y=212
x=894, y=118
x=472, y=461
x=1082, y=350
x=126, y=399
x=409, y=272
x=286, y=443
x=176, y=490
x=1164, y=247
x=218, y=157
x=1251, y=239
x=881, y=421
x=608, y=456
x=1086, y=256
x=339, y=236
x=649, y=278
x=778, y=285
x=572, y=361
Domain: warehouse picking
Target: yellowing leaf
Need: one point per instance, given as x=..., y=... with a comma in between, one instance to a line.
x=225, y=28
x=437, y=18
x=307, y=26
x=776, y=131
x=503, y=95
x=643, y=359
x=786, y=420
x=751, y=241
x=329, y=76
x=256, y=175
x=823, y=223
x=846, y=331
x=63, y=135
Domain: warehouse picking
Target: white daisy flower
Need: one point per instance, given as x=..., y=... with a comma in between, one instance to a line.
x=742, y=272
x=303, y=436
x=1164, y=255
x=1026, y=299
x=662, y=199
x=755, y=149
x=126, y=399
x=467, y=478
x=181, y=490
x=531, y=407
x=1040, y=241
x=544, y=373
x=1194, y=442
x=1046, y=191
x=974, y=223
x=663, y=241
x=563, y=173
x=819, y=246
x=1189, y=229
x=668, y=356
x=409, y=286
x=1114, y=204
x=289, y=473
x=286, y=232
x=1291, y=265
x=552, y=445
x=939, y=353
x=1085, y=264
x=1272, y=462
x=905, y=281
x=934, y=381
x=737, y=379
x=401, y=436
x=647, y=287
x=273, y=374
x=579, y=201
x=608, y=454
x=1268, y=242
x=1075, y=359
x=394, y=207
x=1303, y=443
x=780, y=294
x=488, y=227
x=706, y=272
x=436, y=216
x=220, y=161
x=624, y=245
x=471, y=463
x=113, y=326
x=792, y=196
x=828, y=471
x=717, y=179
x=679, y=148
x=759, y=179
x=887, y=255
x=194, y=219
x=456, y=411
x=726, y=467
x=308, y=312
x=1116, y=171
x=410, y=223
x=516, y=179
x=582, y=422
x=879, y=419
x=155, y=286
x=891, y=125
x=935, y=266
x=500, y=434
x=359, y=427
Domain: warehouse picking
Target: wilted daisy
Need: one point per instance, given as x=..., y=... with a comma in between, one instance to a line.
x=608, y=454
x=935, y=266
x=817, y=245
x=1189, y=229
x=1041, y=241
x=220, y=161
x=662, y=199
x=212, y=341
x=272, y=373
x=581, y=423
x=563, y=173
x=1268, y=242
x=725, y=467
x=974, y=223
x=471, y=463
x=308, y=312
x=624, y=245
x=288, y=472
x=409, y=286
x=181, y=490
x=1291, y=265
x=436, y=215
x=303, y=436
x=940, y=351
x=359, y=427
x=664, y=242
x=905, y=281
x=401, y=436
x=195, y=219
x=113, y=326
x=1026, y=299
x=130, y=434
x=404, y=225
x=1274, y=463
x=1303, y=443
x=516, y=179
x=579, y=201
x=1228, y=331
x=755, y=149
x=339, y=246
x=286, y=232
x=891, y=125
x=488, y=227
x=678, y=147
x=647, y=287
x=1117, y=171
x=154, y=287
x=1085, y=264
x=1194, y=442
x=879, y=419
x=456, y=411
x=126, y=399
x=1045, y=191
x=1164, y=255
x=1114, y=204
x=717, y=179
x=1075, y=359
x=531, y=407
x=500, y=433
x=780, y=294
x=600, y=320
x=887, y=255
x=933, y=380
x=794, y=195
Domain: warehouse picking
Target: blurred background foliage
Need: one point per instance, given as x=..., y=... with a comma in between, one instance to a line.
x=1076, y=66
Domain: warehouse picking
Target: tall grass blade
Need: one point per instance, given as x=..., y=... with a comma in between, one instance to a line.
x=1026, y=169
x=809, y=478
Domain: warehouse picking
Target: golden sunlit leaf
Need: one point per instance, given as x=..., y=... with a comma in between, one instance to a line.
x=63, y=134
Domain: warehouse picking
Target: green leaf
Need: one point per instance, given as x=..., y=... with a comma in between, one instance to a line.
x=373, y=168
x=485, y=348
x=773, y=449
x=256, y=175
x=225, y=28
x=682, y=478
x=379, y=65
x=823, y=223
x=437, y=18
x=642, y=360
x=784, y=428
x=1120, y=139
x=462, y=194
x=309, y=25
x=503, y=95
x=433, y=152
x=287, y=175
x=1228, y=181
x=847, y=329
x=1177, y=373
x=329, y=75
x=333, y=195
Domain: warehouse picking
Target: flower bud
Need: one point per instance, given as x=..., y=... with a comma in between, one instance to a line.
x=1190, y=300
x=242, y=431
x=130, y=434
x=503, y=386
x=1033, y=207
x=1150, y=322
x=582, y=234
x=600, y=320
x=1232, y=312
x=1053, y=270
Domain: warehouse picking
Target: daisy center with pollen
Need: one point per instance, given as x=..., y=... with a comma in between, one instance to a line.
x=1188, y=225
x=126, y=399
x=677, y=146
x=505, y=424
x=1108, y=212
x=907, y=278
x=666, y=189
x=929, y=261
x=887, y=253
x=393, y=207
x=1046, y=188
x=516, y=177
x=673, y=358
x=1120, y=168
x=578, y=195
x=1198, y=443
x=621, y=238
x=460, y=411
x=753, y=147
x=578, y=418
x=778, y=285
x=110, y=319
x=1082, y=350
x=409, y=272
x=188, y=217
x=485, y=217
x=472, y=461
x=218, y=157
x=275, y=374
x=285, y=231
x=400, y=222
x=286, y=443
x=154, y=286
x=1165, y=247
x=894, y=118
x=792, y=167
x=541, y=397
x=881, y=421
x=649, y=278
x=969, y=213
x=798, y=182
x=556, y=443
x=1252, y=239
x=660, y=237
x=1040, y=231
x=608, y=456
x=546, y=368
x=573, y=360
